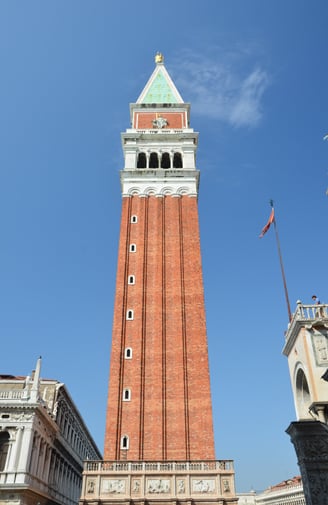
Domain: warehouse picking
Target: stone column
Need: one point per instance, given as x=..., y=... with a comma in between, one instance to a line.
x=310, y=439
x=41, y=459
x=46, y=472
x=16, y=448
x=35, y=454
x=25, y=452
x=171, y=159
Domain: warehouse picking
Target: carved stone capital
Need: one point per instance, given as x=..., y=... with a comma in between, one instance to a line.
x=310, y=439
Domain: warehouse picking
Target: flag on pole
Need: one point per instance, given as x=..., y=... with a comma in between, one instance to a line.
x=269, y=223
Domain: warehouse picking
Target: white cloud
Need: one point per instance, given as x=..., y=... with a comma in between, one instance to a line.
x=222, y=89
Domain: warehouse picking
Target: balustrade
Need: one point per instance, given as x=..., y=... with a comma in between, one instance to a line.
x=157, y=466
x=11, y=395
x=311, y=311
x=309, y=314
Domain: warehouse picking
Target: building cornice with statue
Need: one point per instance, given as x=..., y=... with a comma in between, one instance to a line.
x=43, y=442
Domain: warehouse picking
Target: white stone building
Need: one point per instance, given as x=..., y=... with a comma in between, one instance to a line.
x=288, y=492
x=306, y=347
x=43, y=442
x=248, y=498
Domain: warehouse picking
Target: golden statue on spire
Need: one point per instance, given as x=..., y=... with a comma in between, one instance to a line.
x=159, y=58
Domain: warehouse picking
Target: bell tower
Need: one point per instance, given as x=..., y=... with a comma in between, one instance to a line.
x=159, y=442
x=159, y=404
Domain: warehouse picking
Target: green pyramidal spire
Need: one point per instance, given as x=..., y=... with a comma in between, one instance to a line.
x=160, y=87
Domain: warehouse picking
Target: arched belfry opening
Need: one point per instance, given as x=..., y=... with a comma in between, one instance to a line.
x=142, y=160
x=165, y=161
x=177, y=160
x=153, y=160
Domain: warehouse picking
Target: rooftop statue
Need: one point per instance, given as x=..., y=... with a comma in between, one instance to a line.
x=159, y=58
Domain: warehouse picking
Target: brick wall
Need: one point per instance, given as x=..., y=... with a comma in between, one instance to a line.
x=169, y=415
x=144, y=120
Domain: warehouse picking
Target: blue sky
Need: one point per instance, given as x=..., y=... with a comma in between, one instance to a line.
x=256, y=75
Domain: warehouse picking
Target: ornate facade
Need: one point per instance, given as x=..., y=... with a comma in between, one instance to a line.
x=288, y=492
x=306, y=348
x=43, y=442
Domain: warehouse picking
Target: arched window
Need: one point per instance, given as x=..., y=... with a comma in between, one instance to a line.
x=128, y=353
x=133, y=248
x=4, y=447
x=125, y=442
x=153, y=160
x=126, y=395
x=165, y=161
x=131, y=279
x=303, y=396
x=134, y=219
x=177, y=160
x=129, y=314
x=142, y=161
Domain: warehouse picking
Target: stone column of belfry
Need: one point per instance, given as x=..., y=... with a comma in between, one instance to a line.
x=159, y=403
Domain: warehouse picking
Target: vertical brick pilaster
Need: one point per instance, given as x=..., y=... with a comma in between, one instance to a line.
x=199, y=404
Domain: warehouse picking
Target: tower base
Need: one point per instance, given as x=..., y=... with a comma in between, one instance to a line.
x=154, y=483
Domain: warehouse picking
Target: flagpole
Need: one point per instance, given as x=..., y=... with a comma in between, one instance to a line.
x=282, y=266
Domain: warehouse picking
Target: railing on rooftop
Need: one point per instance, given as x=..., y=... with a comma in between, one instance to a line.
x=308, y=312
x=157, y=466
x=11, y=395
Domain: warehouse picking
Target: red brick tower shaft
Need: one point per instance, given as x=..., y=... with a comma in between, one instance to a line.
x=159, y=402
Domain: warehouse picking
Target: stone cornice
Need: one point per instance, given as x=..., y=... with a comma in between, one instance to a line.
x=159, y=182
x=159, y=135
x=291, y=335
